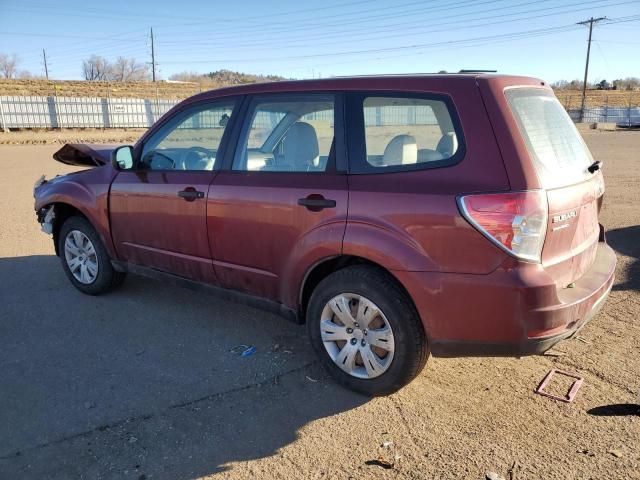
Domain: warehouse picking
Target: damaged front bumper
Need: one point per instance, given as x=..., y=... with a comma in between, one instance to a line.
x=46, y=217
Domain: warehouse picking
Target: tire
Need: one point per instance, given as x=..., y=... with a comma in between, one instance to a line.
x=92, y=281
x=405, y=351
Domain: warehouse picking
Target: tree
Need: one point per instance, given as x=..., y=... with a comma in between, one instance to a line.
x=187, y=77
x=566, y=85
x=95, y=68
x=122, y=70
x=129, y=70
x=8, y=65
x=26, y=74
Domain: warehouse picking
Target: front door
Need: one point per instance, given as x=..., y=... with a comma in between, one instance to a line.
x=158, y=209
x=281, y=203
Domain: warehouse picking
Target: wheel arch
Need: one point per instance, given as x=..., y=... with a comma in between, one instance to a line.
x=63, y=211
x=327, y=266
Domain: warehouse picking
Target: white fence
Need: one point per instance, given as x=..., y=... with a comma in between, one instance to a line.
x=80, y=112
x=84, y=112
x=621, y=115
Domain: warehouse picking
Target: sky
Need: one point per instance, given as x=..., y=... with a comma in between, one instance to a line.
x=322, y=38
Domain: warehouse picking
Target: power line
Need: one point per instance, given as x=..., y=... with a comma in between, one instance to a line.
x=399, y=10
x=471, y=20
x=60, y=35
x=88, y=12
x=344, y=28
x=475, y=40
x=512, y=35
x=285, y=28
x=462, y=24
x=590, y=22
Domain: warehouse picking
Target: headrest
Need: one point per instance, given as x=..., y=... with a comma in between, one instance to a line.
x=401, y=150
x=448, y=144
x=301, y=146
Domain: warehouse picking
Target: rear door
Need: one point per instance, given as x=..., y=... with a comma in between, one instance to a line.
x=280, y=204
x=562, y=162
x=158, y=210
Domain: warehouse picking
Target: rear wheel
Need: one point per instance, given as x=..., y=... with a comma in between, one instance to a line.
x=366, y=331
x=84, y=258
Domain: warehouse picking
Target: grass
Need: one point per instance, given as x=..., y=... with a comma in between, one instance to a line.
x=571, y=99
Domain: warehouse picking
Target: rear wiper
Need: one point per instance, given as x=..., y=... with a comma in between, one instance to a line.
x=594, y=167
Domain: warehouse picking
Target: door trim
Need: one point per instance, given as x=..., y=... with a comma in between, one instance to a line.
x=169, y=252
x=220, y=292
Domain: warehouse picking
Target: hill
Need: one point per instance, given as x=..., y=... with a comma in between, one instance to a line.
x=180, y=86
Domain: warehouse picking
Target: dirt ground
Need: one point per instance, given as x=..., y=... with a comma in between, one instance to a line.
x=70, y=135
x=141, y=383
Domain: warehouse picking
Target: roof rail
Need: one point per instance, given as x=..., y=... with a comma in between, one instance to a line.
x=477, y=71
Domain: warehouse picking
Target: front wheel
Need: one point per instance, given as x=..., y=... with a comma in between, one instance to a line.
x=366, y=331
x=84, y=258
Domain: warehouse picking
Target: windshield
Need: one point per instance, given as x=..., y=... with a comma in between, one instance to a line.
x=558, y=151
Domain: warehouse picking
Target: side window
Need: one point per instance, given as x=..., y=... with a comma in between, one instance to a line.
x=407, y=131
x=287, y=134
x=190, y=141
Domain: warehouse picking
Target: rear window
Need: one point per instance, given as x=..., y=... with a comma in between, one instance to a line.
x=559, y=153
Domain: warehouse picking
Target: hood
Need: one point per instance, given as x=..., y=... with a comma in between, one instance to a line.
x=92, y=155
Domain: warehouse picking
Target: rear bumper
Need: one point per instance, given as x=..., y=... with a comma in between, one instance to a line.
x=510, y=312
x=528, y=346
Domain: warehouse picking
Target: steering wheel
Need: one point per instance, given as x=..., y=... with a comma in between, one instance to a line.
x=200, y=154
x=153, y=153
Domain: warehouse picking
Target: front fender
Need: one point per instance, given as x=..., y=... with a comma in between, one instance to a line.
x=87, y=192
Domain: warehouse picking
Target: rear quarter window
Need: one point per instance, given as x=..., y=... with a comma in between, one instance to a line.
x=409, y=132
x=559, y=154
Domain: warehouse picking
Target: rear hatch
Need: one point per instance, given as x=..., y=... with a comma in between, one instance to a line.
x=562, y=162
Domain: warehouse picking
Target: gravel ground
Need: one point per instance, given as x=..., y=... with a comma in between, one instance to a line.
x=141, y=384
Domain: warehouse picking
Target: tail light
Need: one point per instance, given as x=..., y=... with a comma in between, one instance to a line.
x=514, y=221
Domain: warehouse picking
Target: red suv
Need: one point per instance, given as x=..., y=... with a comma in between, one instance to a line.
x=397, y=216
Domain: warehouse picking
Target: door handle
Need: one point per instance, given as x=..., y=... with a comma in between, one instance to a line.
x=190, y=194
x=315, y=203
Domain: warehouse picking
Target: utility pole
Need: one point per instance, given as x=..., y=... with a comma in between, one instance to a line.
x=46, y=68
x=591, y=21
x=153, y=58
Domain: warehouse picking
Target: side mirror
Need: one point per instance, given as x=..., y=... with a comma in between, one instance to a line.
x=122, y=158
